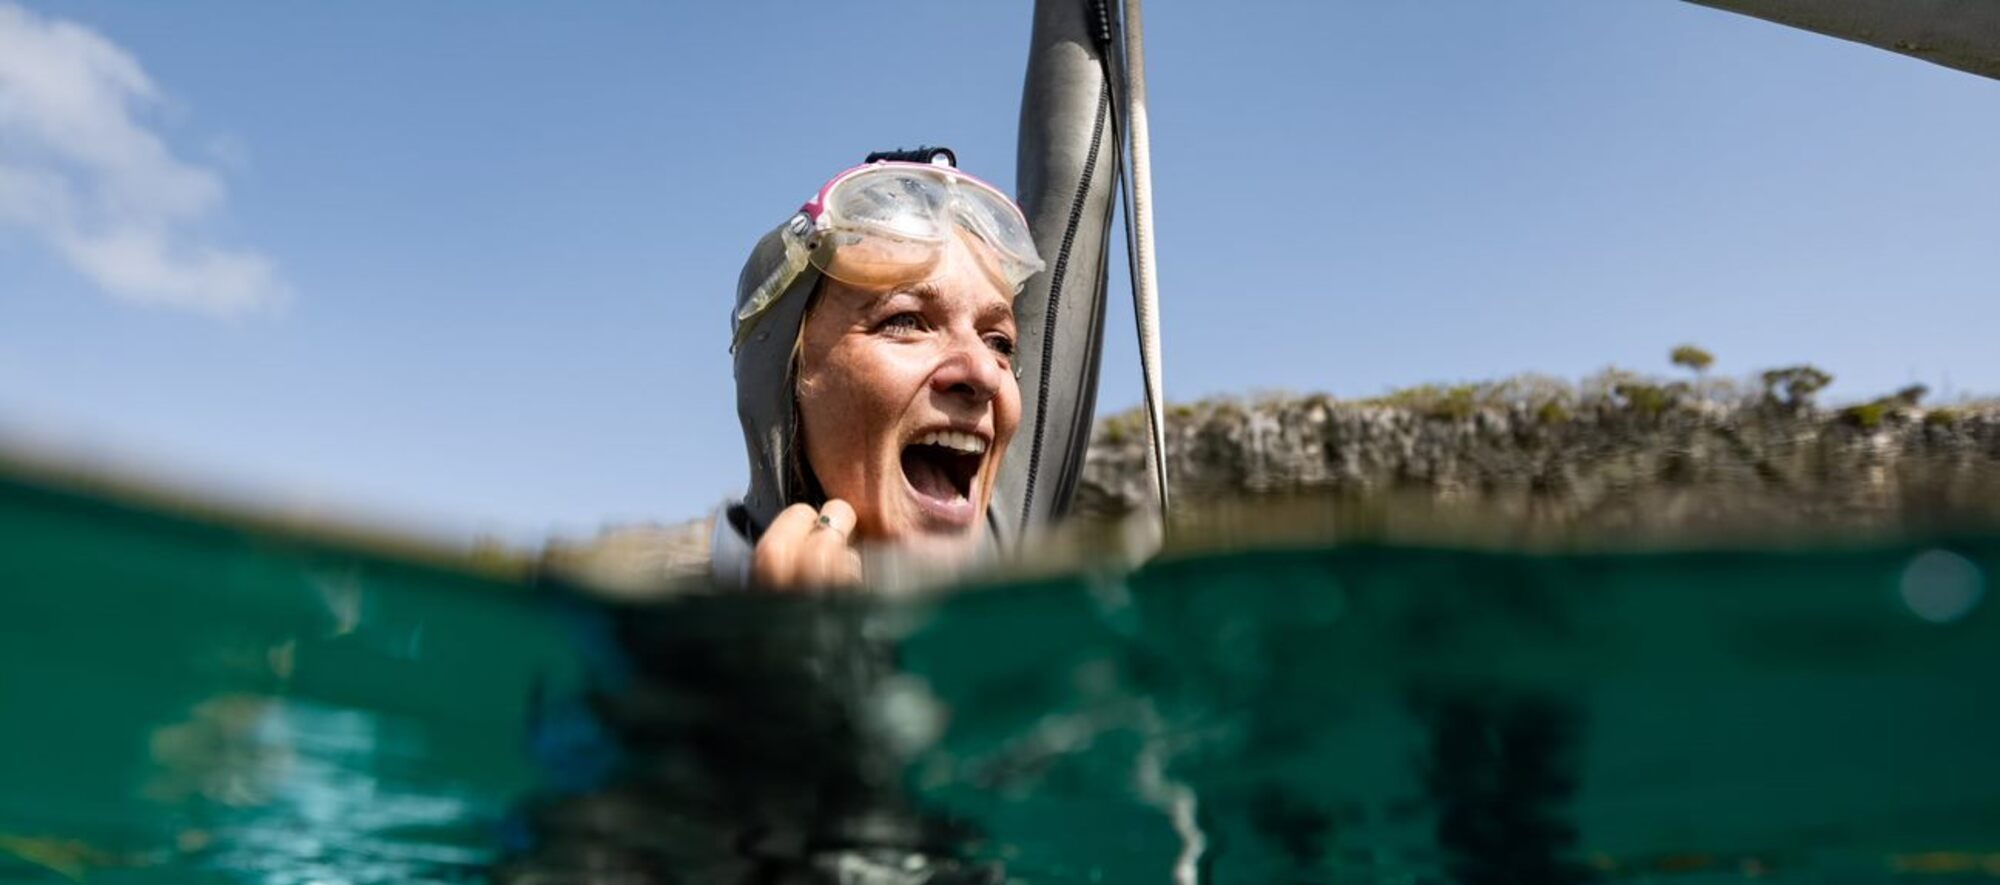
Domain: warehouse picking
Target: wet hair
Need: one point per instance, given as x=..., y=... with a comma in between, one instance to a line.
x=804, y=483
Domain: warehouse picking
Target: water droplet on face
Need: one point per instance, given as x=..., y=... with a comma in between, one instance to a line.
x=1941, y=586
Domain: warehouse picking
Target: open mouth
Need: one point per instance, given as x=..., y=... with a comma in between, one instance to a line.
x=941, y=467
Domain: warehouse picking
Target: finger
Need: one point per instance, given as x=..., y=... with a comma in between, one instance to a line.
x=819, y=565
x=850, y=566
x=793, y=522
x=829, y=547
x=835, y=565
x=776, y=561
x=838, y=517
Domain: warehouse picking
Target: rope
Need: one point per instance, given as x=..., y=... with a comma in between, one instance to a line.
x=1145, y=284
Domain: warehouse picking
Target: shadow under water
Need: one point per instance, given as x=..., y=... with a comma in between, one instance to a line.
x=190, y=699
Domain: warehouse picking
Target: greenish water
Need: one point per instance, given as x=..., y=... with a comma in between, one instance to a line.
x=190, y=701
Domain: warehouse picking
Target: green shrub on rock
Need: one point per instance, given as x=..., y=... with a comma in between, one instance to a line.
x=1943, y=417
x=1691, y=357
x=1867, y=416
x=1795, y=386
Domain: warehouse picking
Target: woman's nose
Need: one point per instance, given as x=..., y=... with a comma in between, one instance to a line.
x=969, y=369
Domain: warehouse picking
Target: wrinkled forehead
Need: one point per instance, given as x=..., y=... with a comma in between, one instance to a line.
x=974, y=270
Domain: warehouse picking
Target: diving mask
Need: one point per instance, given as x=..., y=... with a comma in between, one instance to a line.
x=889, y=223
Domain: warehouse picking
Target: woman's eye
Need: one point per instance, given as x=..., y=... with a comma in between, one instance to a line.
x=1001, y=344
x=902, y=322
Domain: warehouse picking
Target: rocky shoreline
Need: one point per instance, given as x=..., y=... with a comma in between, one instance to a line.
x=1586, y=463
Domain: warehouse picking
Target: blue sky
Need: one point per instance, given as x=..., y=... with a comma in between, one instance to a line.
x=469, y=264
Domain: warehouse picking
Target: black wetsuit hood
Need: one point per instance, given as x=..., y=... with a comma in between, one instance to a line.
x=764, y=385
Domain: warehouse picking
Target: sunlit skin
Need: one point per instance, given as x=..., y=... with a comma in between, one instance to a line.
x=878, y=368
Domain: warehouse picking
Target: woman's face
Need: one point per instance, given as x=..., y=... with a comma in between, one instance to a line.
x=907, y=399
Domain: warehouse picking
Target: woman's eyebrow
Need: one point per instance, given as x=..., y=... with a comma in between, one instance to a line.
x=996, y=311
x=875, y=300
x=924, y=291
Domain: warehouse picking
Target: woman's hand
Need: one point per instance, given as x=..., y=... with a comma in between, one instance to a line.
x=806, y=548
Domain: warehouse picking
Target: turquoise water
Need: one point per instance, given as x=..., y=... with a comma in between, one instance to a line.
x=197, y=701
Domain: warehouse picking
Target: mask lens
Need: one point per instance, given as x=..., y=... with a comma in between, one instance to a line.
x=1002, y=227
x=894, y=204
x=868, y=259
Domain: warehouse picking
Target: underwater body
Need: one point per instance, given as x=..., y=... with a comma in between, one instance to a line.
x=193, y=698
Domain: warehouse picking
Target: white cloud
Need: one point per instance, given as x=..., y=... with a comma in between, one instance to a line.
x=79, y=171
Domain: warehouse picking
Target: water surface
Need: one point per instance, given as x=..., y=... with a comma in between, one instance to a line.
x=193, y=700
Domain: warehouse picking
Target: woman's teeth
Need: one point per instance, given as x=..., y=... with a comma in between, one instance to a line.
x=962, y=443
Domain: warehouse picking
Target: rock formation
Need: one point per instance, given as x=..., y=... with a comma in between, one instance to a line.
x=1643, y=457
